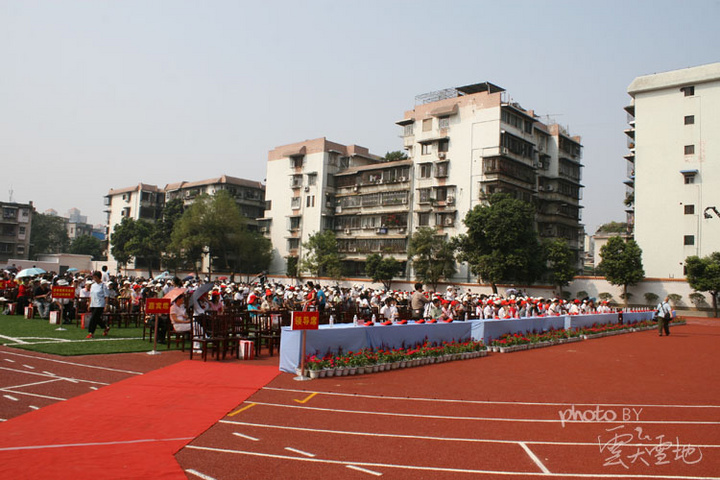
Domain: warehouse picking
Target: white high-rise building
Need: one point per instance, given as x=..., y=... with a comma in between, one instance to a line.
x=674, y=167
x=463, y=144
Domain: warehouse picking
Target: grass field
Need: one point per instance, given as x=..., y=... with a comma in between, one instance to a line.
x=39, y=336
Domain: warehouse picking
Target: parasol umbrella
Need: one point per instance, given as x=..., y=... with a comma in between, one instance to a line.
x=163, y=276
x=174, y=293
x=72, y=269
x=222, y=278
x=188, y=278
x=200, y=291
x=30, y=272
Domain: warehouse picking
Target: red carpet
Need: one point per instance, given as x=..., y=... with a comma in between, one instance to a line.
x=129, y=429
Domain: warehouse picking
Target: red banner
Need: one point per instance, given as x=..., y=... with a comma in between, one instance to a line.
x=305, y=320
x=63, y=292
x=157, y=305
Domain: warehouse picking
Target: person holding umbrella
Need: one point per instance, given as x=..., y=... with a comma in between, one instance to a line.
x=98, y=300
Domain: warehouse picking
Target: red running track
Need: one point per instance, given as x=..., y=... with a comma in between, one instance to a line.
x=628, y=406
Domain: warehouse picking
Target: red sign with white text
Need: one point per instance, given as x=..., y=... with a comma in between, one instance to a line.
x=157, y=306
x=63, y=292
x=305, y=320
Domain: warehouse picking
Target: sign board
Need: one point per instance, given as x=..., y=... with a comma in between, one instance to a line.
x=63, y=292
x=157, y=306
x=305, y=320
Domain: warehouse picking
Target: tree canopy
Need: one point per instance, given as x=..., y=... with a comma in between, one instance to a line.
x=613, y=227
x=395, y=155
x=432, y=256
x=501, y=244
x=703, y=275
x=48, y=235
x=321, y=257
x=382, y=269
x=560, y=262
x=136, y=239
x=622, y=263
x=87, y=245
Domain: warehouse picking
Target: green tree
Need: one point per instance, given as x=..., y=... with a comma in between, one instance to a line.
x=395, y=155
x=622, y=263
x=172, y=212
x=291, y=267
x=253, y=252
x=48, y=234
x=119, y=238
x=432, y=256
x=561, y=263
x=613, y=227
x=321, y=257
x=211, y=225
x=703, y=275
x=501, y=244
x=382, y=269
x=87, y=245
x=136, y=239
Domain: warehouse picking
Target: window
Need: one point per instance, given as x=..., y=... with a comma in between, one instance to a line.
x=443, y=122
x=295, y=223
x=293, y=243
x=297, y=161
x=689, y=239
x=689, y=209
x=295, y=203
x=689, y=149
x=441, y=169
x=689, y=119
x=688, y=91
x=424, y=219
x=443, y=145
x=296, y=181
x=689, y=179
x=426, y=149
x=268, y=204
x=310, y=201
x=312, y=178
x=408, y=130
x=425, y=170
x=427, y=125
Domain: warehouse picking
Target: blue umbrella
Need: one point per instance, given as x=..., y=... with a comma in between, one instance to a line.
x=163, y=276
x=30, y=272
x=73, y=269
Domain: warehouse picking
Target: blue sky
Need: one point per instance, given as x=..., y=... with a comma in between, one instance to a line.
x=97, y=95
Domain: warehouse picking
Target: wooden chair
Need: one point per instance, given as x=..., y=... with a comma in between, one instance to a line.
x=178, y=337
x=269, y=331
x=204, y=329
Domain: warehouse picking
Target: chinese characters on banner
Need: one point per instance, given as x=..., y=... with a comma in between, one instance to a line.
x=157, y=306
x=63, y=292
x=305, y=320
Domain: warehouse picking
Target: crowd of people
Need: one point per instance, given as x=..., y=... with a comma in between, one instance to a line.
x=359, y=301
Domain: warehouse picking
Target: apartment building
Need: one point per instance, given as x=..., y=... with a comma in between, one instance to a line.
x=463, y=144
x=15, y=225
x=146, y=202
x=673, y=168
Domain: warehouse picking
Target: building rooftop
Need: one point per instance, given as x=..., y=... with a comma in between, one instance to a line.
x=675, y=78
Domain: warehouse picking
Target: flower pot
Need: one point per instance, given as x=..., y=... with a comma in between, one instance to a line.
x=352, y=370
x=403, y=363
x=330, y=372
x=375, y=368
x=314, y=374
x=360, y=370
x=322, y=373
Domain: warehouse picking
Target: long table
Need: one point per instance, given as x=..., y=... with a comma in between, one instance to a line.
x=347, y=337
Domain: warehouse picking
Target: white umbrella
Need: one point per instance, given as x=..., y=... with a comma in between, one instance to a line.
x=30, y=272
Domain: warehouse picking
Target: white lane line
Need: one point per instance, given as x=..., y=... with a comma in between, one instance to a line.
x=95, y=444
x=63, y=362
x=29, y=366
x=443, y=469
x=484, y=402
x=33, y=407
x=198, y=474
x=246, y=436
x=9, y=397
x=93, y=388
x=52, y=375
x=364, y=470
x=489, y=419
x=9, y=360
x=425, y=437
x=294, y=450
x=534, y=458
x=30, y=384
x=28, y=394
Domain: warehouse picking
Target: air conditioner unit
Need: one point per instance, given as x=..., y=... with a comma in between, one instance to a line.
x=338, y=209
x=541, y=188
x=450, y=200
x=347, y=231
x=504, y=150
x=441, y=155
x=356, y=188
x=402, y=179
x=549, y=188
x=307, y=189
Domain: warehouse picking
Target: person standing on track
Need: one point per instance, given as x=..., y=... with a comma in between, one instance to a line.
x=664, y=316
x=98, y=300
